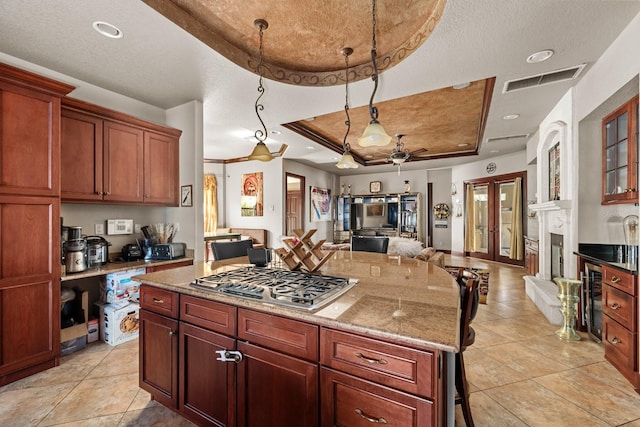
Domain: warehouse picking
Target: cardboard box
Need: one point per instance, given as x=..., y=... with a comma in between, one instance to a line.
x=71, y=346
x=120, y=287
x=79, y=330
x=93, y=327
x=119, y=322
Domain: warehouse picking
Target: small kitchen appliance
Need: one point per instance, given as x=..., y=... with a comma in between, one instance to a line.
x=75, y=255
x=97, y=251
x=132, y=252
x=631, y=233
x=164, y=251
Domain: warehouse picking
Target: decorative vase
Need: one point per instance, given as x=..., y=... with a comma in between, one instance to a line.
x=568, y=295
x=407, y=187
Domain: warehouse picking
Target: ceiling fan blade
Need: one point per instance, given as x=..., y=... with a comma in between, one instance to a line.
x=418, y=152
x=279, y=153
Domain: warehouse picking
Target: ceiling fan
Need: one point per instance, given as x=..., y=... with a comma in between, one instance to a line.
x=274, y=154
x=399, y=154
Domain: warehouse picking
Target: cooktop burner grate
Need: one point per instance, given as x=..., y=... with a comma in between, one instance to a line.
x=282, y=287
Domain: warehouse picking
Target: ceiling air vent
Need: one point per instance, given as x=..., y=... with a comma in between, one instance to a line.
x=543, y=79
x=507, y=138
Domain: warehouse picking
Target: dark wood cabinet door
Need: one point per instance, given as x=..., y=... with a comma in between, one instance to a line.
x=158, y=370
x=123, y=160
x=81, y=159
x=161, y=179
x=207, y=385
x=30, y=141
x=276, y=390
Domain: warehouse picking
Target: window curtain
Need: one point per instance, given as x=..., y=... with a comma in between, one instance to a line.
x=516, y=251
x=469, y=220
x=210, y=204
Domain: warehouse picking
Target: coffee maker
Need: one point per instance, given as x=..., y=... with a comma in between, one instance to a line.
x=75, y=250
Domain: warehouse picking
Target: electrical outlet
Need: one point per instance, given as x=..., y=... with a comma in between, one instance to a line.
x=137, y=228
x=98, y=228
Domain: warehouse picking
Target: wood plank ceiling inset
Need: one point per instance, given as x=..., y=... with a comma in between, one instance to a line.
x=438, y=122
x=303, y=43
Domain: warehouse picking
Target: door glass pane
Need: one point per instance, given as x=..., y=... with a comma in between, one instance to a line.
x=506, y=211
x=611, y=182
x=481, y=220
x=621, y=180
x=611, y=158
x=622, y=154
x=622, y=126
x=611, y=133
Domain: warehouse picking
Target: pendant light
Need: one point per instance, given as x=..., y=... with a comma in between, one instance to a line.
x=260, y=152
x=374, y=134
x=399, y=154
x=346, y=161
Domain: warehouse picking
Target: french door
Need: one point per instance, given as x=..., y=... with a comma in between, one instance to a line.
x=494, y=218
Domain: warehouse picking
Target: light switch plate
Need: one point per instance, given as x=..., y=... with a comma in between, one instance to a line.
x=98, y=229
x=119, y=226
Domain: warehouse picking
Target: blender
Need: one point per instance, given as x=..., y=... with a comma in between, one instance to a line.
x=630, y=224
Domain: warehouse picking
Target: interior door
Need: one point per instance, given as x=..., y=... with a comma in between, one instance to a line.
x=295, y=203
x=493, y=217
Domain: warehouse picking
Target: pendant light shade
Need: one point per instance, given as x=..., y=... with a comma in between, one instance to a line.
x=374, y=134
x=346, y=161
x=260, y=152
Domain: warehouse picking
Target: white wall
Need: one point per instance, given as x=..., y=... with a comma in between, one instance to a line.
x=441, y=193
x=188, y=117
x=273, y=199
x=508, y=163
x=318, y=178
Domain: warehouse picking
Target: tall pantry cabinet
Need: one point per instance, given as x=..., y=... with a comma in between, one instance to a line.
x=29, y=222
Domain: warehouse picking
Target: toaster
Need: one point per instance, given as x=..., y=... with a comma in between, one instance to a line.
x=168, y=250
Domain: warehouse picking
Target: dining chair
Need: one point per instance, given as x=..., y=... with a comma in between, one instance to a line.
x=224, y=250
x=369, y=244
x=470, y=298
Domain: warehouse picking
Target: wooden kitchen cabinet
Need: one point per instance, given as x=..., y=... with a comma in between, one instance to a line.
x=29, y=223
x=531, y=256
x=619, y=322
x=112, y=157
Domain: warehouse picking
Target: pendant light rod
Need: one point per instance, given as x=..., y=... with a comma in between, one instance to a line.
x=346, y=51
x=260, y=134
x=373, y=111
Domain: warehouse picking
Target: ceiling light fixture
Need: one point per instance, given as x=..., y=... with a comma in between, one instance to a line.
x=374, y=134
x=399, y=154
x=260, y=152
x=107, y=30
x=346, y=161
x=540, y=56
x=511, y=117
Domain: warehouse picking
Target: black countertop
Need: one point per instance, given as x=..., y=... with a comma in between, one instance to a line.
x=611, y=255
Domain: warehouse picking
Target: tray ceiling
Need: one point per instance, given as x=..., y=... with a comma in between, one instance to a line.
x=302, y=45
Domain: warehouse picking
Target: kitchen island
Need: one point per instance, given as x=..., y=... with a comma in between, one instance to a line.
x=381, y=352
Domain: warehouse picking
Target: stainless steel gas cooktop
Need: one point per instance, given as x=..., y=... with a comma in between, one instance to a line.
x=276, y=286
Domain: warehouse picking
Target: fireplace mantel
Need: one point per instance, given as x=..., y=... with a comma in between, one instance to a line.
x=551, y=205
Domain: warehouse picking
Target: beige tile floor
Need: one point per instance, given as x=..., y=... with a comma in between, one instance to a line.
x=520, y=374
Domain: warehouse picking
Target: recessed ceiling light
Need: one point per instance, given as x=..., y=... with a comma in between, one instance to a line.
x=462, y=145
x=369, y=156
x=494, y=151
x=275, y=132
x=107, y=30
x=334, y=158
x=461, y=85
x=511, y=116
x=310, y=147
x=540, y=56
x=309, y=119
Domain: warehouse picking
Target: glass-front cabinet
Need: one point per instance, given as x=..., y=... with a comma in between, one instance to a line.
x=378, y=215
x=620, y=154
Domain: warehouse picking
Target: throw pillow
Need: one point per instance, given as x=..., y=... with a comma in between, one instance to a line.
x=426, y=253
x=404, y=247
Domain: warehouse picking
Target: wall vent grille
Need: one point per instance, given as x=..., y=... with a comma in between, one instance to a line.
x=507, y=138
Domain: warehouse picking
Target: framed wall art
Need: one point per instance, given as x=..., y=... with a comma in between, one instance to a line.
x=320, y=200
x=251, y=199
x=186, y=195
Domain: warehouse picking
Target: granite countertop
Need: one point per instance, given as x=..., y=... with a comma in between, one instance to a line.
x=113, y=267
x=427, y=294
x=606, y=254
x=629, y=268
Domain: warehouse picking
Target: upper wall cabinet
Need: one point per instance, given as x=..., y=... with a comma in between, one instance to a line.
x=29, y=133
x=111, y=157
x=620, y=154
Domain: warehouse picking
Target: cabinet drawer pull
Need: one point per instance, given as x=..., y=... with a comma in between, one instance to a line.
x=615, y=279
x=371, y=360
x=369, y=418
x=615, y=340
x=229, y=356
x=171, y=332
x=158, y=301
x=615, y=306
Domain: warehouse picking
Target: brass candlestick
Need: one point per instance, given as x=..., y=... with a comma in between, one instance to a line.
x=568, y=295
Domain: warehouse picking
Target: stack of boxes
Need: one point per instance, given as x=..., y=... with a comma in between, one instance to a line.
x=119, y=321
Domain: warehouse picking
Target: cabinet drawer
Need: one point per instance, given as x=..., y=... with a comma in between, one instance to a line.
x=278, y=333
x=211, y=315
x=619, y=306
x=350, y=401
x=619, y=279
x=619, y=344
x=410, y=370
x=159, y=301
